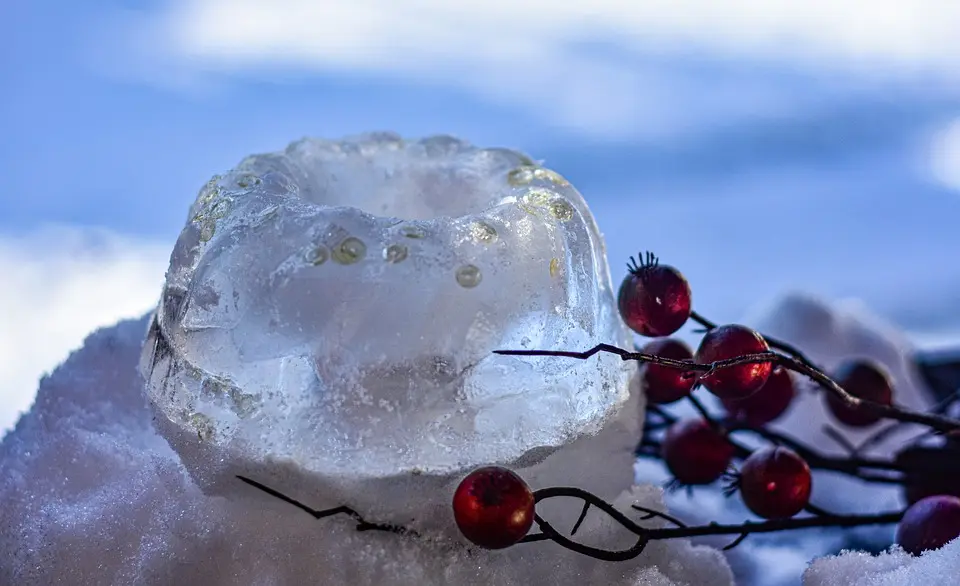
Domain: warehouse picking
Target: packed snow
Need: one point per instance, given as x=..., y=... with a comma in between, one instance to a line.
x=92, y=495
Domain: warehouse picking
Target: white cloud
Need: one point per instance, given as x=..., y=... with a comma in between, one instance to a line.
x=60, y=284
x=378, y=33
x=535, y=52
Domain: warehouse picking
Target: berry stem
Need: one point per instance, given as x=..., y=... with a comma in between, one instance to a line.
x=857, y=466
x=780, y=345
x=819, y=518
x=362, y=524
x=932, y=420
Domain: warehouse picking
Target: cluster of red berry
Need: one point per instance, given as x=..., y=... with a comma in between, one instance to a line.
x=494, y=508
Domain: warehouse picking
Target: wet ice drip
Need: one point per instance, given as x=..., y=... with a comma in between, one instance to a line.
x=330, y=310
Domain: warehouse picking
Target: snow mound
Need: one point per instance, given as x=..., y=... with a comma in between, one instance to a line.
x=93, y=495
x=892, y=568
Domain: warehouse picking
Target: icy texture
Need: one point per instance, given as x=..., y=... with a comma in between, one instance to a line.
x=92, y=495
x=347, y=350
x=828, y=331
x=892, y=568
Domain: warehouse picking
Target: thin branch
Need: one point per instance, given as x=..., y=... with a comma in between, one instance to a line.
x=840, y=439
x=934, y=421
x=645, y=535
x=774, y=343
x=852, y=466
x=362, y=524
x=581, y=518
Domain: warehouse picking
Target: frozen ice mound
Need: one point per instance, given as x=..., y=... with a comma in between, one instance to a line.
x=92, y=496
x=329, y=316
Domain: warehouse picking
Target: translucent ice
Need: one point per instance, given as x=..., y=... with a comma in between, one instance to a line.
x=330, y=311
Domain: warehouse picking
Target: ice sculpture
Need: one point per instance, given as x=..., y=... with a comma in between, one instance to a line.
x=329, y=314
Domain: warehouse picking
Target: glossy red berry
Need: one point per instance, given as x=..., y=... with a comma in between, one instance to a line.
x=866, y=380
x=654, y=299
x=493, y=507
x=663, y=384
x=767, y=404
x=775, y=483
x=694, y=452
x=731, y=341
x=929, y=523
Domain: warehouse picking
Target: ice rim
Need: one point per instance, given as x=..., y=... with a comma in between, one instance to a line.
x=302, y=338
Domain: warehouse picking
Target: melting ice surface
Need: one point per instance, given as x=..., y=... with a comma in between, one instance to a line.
x=330, y=312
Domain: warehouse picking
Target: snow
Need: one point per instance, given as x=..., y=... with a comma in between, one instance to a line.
x=891, y=568
x=123, y=470
x=93, y=495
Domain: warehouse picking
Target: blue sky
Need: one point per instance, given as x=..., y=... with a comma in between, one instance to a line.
x=795, y=145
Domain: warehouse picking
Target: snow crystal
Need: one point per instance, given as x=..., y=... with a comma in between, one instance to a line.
x=92, y=495
x=892, y=568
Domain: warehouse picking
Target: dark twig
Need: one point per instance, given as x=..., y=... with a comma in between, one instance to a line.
x=703, y=412
x=934, y=421
x=840, y=439
x=651, y=513
x=774, y=343
x=879, y=436
x=856, y=466
x=362, y=524
x=850, y=467
x=644, y=535
x=581, y=518
x=944, y=405
x=736, y=541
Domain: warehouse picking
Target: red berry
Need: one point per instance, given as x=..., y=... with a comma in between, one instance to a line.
x=664, y=384
x=654, y=299
x=493, y=507
x=775, y=483
x=694, y=452
x=767, y=404
x=929, y=523
x=865, y=380
x=731, y=341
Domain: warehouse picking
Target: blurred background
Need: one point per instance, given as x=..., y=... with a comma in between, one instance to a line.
x=762, y=147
